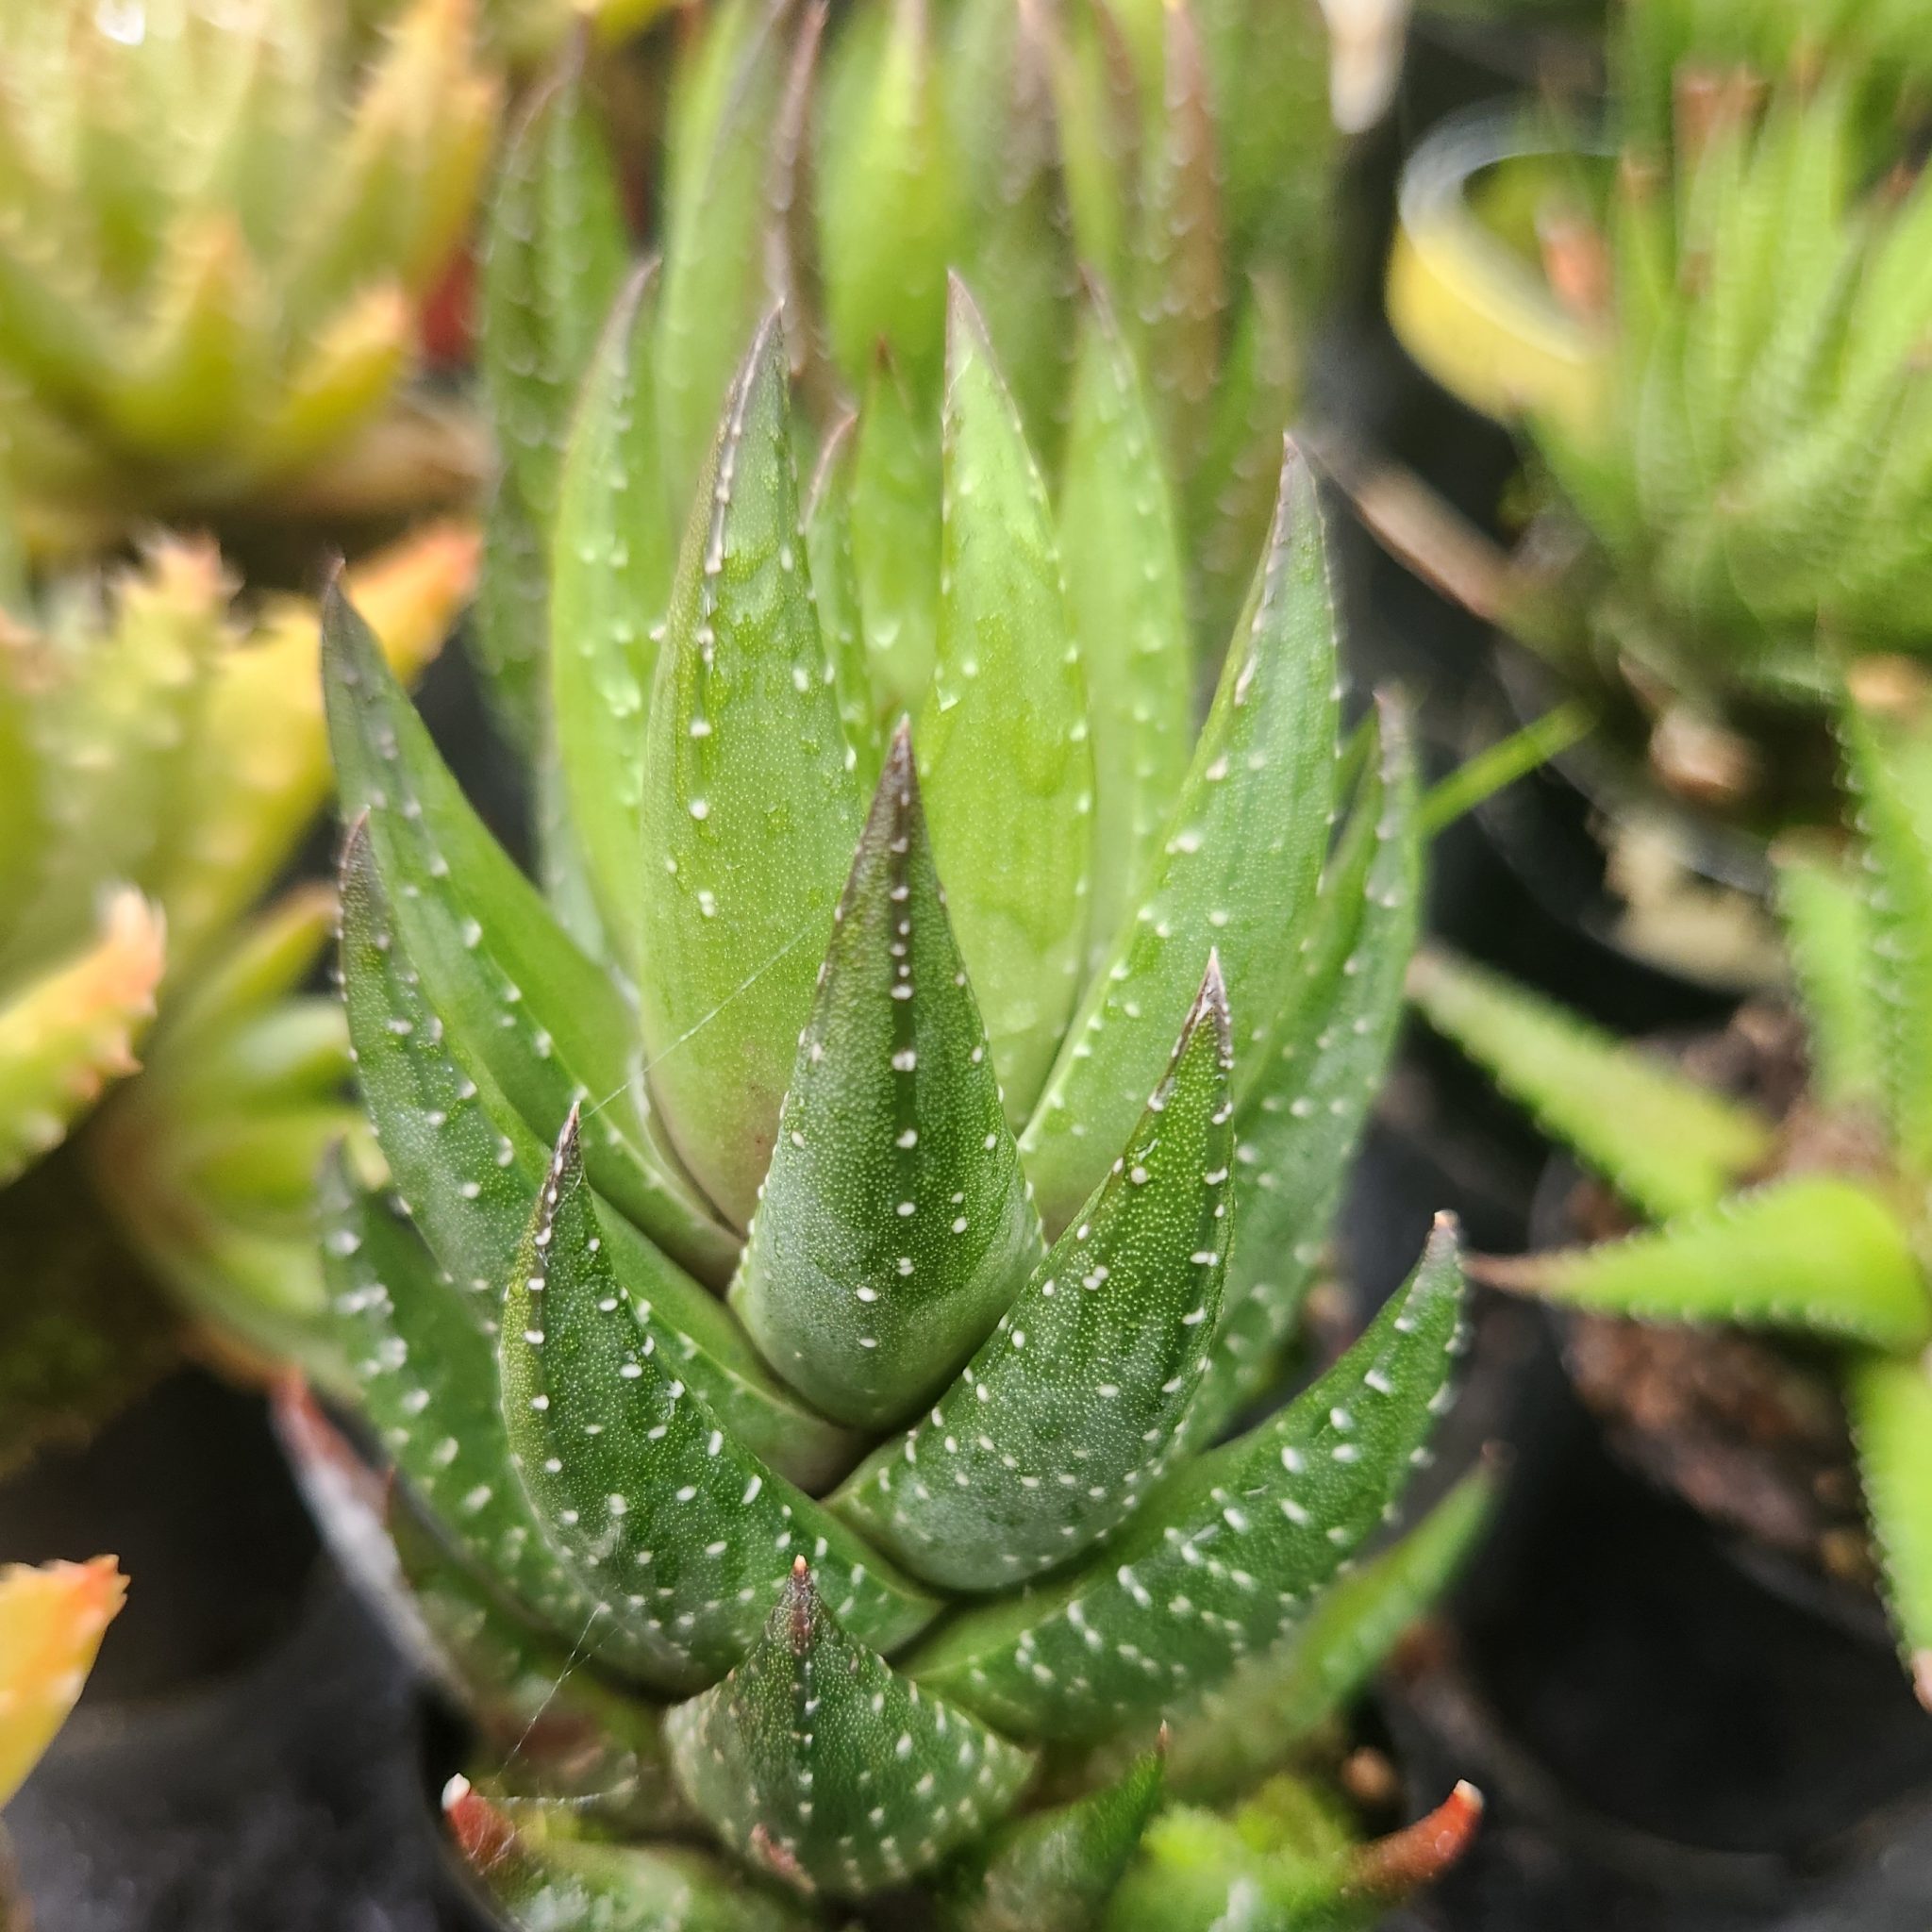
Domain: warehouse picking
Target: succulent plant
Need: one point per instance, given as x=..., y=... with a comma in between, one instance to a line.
x=161, y=754
x=209, y=312
x=1757, y=479
x=1180, y=153
x=1811, y=1226
x=1013, y=1183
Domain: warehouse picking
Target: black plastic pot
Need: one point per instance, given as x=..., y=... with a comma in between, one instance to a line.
x=245, y=1753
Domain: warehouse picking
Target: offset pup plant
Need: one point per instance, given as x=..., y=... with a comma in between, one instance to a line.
x=161, y=754
x=1811, y=1225
x=214, y=244
x=882, y=1569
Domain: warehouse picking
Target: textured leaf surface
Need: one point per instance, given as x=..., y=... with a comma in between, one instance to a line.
x=526, y=1005
x=752, y=801
x=1827, y=936
x=1228, y=1554
x=1237, y=870
x=1121, y=550
x=611, y=561
x=1251, y=1724
x=1060, y=1867
x=1816, y=1251
x=894, y=1222
x=553, y=258
x=816, y=1760
x=423, y=1352
x=52, y=1621
x=1891, y=1406
x=896, y=493
x=548, y=1726
x=1665, y=1142
x=1316, y=1076
x=1051, y=1434
x=682, y=1532
x=469, y=1171
x=1003, y=736
x=546, y=1878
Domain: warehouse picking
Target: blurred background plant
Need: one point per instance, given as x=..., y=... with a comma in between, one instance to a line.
x=52, y=1620
x=217, y=229
x=1709, y=325
x=166, y=1091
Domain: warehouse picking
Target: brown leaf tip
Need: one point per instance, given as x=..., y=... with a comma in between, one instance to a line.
x=484, y=1835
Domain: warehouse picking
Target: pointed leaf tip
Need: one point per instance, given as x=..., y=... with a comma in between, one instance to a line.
x=893, y=1219
x=818, y=1763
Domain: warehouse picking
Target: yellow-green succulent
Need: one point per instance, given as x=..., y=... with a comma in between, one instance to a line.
x=215, y=235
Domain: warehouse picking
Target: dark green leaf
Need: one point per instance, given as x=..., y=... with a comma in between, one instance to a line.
x=1059, y=1868
x=1228, y=1555
x=469, y=1169
x=894, y=1221
x=680, y=1533
x=817, y=1762
x=1053, y=1432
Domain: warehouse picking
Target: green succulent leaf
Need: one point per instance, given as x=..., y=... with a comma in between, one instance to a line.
x=468, y=1170
x=1288, y=1861
x=1819, y=1253
x=1228, y=1555
x=1666, y=1144
x=1890, y=1404
x=1251, y=1724
x=816, y=1760
x=1890, y=776
x=719, y=212
x=1014, y=251
x=554, y=257
x=887, y=210
x=610, y=568
x=1005, y=756
x=1828, y=937
x=1231, y=493
x=834, y=563
x=545, y=1877
x=550, y=1726
x=419, y=1346
x=895, y=539
x=1238, y=868
x=522, y=1001
x=893, y=1220
x=751, y=798
x=1052, y=1435
x=1317, y=1073
x=679, y=1529
x=1060, y=1867
x=1178, y=270
x=1126, y=594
